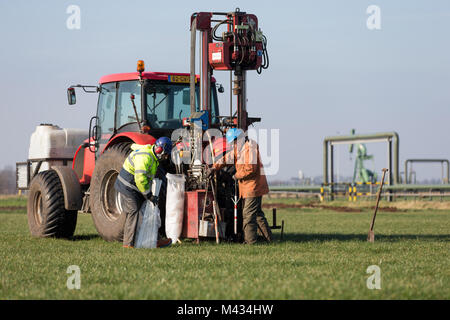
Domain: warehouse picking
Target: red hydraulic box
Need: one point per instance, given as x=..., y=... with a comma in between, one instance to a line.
x=193, y=211
x=219, y=55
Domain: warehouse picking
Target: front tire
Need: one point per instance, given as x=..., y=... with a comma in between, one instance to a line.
x=47, y=216
x=106, y=207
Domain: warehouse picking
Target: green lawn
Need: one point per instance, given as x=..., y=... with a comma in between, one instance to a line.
x=324, y=256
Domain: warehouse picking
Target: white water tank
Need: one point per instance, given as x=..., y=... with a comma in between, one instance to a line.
x=54, y=145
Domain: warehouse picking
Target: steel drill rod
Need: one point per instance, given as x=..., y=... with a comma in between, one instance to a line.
x=216, y=227
x=204, y=202
x=235, y=214
x=235, y=201
x=216, y=202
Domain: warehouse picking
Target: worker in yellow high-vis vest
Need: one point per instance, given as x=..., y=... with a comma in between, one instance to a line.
x=134, y=183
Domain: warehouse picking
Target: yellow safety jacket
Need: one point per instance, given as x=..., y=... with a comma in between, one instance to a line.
x=138, y=171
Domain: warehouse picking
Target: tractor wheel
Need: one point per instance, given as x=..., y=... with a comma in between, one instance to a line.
x=105, y=201
x=47, y=216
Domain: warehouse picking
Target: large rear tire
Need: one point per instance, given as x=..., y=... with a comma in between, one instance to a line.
x=47, y=216
x=106, y=208
x=107, y=214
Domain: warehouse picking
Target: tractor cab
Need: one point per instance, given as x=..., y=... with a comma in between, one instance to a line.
x=151, y=103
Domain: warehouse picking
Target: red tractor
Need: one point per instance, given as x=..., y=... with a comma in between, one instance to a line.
x=64, y=177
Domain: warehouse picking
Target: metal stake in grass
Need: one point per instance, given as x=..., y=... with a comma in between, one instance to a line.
x=371, y=236
x=216, y=213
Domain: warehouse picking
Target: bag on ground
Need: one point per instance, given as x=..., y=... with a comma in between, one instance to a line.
x=150, y=221
x=174, y=205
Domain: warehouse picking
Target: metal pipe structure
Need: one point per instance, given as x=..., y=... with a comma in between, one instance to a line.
x=393, y=153
x=441, y=161
x=201, y=22
x=205, y=74
x=192, y=65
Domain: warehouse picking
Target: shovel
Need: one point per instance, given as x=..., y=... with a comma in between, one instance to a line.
x=371, y=236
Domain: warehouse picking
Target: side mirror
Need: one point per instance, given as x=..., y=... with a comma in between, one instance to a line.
x=221, y=89
x=71, y=97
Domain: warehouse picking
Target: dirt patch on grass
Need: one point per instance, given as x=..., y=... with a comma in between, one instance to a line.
x=327, y=207
x=310, y=206
x=421, y=205
x=12, y=196
x=388, y=209
x=12, y=208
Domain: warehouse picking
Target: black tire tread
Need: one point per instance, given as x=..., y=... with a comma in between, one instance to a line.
x=107, y=230
x=57, y=221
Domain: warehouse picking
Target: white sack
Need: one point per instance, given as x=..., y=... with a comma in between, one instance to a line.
x=174, y=205
x=150, y=221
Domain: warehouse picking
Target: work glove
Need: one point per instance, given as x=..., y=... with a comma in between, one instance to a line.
x=154, y=199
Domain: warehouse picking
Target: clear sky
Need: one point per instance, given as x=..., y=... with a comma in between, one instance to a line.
x=328, y=72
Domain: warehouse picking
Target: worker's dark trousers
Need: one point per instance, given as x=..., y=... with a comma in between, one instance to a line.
x=130, y=206
x=253, y=217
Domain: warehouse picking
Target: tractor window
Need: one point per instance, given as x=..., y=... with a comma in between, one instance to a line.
x=179, y=106
x=125, y=110
x=105, y=112
x=168, y=104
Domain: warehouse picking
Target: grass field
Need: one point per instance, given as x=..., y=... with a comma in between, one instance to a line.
x=324, y=256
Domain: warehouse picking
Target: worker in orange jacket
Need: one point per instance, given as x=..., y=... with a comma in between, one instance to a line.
x=252, y=182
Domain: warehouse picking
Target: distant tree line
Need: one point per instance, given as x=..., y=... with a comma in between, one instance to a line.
x=8, y=180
